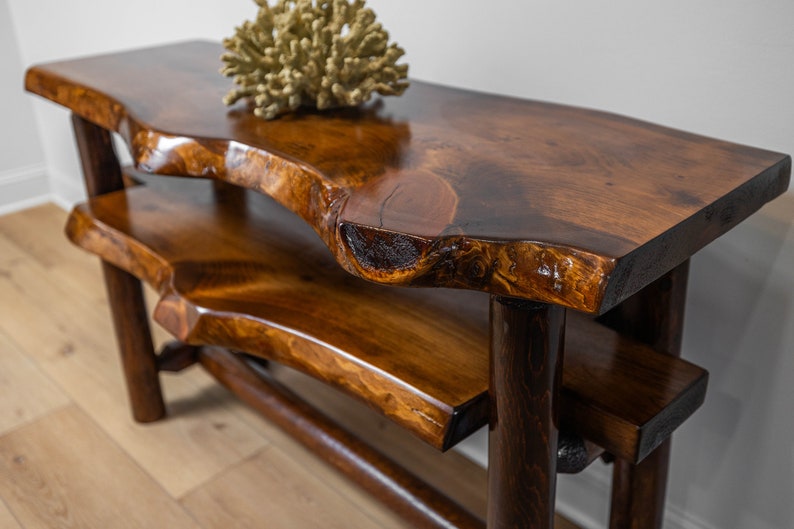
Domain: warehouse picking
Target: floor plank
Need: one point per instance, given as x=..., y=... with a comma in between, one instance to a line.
x=451, y=472
x=324, y=473
x=25, y=392
x=73, y=344
x=49, y=483
x=462, y=479
x=7, y=520
x=272, y=486
x=31, y=232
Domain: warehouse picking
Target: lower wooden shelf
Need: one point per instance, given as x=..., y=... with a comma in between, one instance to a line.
x=236, y=270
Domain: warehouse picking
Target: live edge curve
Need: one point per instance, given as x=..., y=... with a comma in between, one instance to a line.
x=439, y=187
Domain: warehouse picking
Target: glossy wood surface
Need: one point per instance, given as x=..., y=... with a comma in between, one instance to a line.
x=213, y=464
x=440, y=187
x=527, y=342
x=102, y=174
x=655, y=317
x=240, y=271
x=131, y=323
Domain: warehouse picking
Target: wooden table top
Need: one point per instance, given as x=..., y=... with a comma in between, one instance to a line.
x=440, y=187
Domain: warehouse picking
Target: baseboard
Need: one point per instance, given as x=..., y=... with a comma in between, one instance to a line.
x=23, y=187
x=675, y=518
x=22, y=174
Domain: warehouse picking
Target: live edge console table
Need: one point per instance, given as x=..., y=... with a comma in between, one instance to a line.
x=578, y=224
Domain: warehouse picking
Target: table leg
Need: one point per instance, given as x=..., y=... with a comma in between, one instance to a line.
x=101, y=168
x=131, y=322
x=526, y=358
x=654, y=316
x=102, y=175
x=638, y=491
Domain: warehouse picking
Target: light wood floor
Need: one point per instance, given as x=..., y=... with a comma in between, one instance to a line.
x=70, y=455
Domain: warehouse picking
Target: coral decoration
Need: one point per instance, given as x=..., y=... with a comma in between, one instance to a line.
x=316, y=53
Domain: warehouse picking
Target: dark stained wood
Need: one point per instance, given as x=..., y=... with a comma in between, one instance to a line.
x=131, y=323
x=653, y=316
x=561, y=206
x=527, y=341
x=102, y=175
x=623, y=422
x=574, y=453
x=176, y=356
x=638, y=491
x=404, y=493
x=440, y=187
x=242, y=272
x=239, y=271
x=101, y=171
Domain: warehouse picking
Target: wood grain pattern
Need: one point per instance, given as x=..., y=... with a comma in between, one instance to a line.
x=239, y=271
x=187, y=456
x=527, y=343
x=7, y=519
x=25, y=392
x=440, y=187
x=278, y=293
x=639, y=491
x=643, y=386
x=653, y=316
x=101, y=170
x=51, y=483
x=131, y=322
x=102, y=174
x=78, y=354
x=242, y=498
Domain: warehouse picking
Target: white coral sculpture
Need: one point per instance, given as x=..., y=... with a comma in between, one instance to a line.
x=318, y=53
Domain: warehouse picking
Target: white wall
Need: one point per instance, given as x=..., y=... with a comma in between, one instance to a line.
x=22, y=171
x=722, y=68
x=52, y=29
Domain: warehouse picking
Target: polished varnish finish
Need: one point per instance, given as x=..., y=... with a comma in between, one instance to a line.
x=125, y=295
x=622, y=420
x=101, y=171
x=655, y=317
x=240, y=271
x=440, y=187
x=526, y=369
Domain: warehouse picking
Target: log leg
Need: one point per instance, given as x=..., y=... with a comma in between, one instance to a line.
x=102, y=175
x=654, y=316
x=131, y=322
x=526, y=359
x=101, y=168
x=638, y=491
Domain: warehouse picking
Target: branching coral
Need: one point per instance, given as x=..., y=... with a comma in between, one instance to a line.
x=323, y=53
